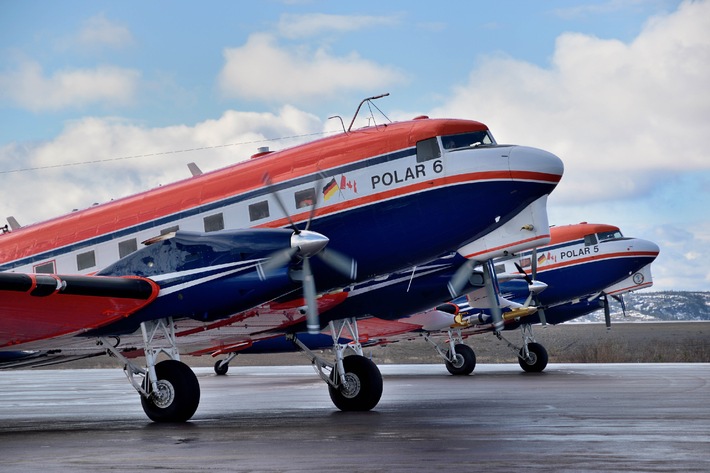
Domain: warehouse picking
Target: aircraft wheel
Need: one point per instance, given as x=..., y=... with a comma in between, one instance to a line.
x=220, y=368
x=464, y=361
x=364, y=385
x=537, y=360
x=178, y=393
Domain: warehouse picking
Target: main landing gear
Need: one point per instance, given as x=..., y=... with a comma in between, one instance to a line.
x=532, y=356
x=354, y=382
x=460, y=359
x=169, y=389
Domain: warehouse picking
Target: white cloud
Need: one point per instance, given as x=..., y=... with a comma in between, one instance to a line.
x=29, y=87
x=99, y=31
x=294, y=26
x=129, y=158
x=620, y=115
x=264, y=70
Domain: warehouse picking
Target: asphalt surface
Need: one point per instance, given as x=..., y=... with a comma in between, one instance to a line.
x=586, y=417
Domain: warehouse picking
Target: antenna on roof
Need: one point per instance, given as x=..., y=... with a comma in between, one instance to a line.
x=14, y=225
x=341, y=121
x=368, y=100
x=194, y=169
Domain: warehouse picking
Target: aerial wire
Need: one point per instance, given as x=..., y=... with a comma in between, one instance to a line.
x=160, y=153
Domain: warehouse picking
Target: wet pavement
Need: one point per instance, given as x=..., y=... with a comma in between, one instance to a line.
x=586, y=417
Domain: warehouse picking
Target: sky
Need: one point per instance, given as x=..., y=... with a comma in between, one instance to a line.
x=101, y=99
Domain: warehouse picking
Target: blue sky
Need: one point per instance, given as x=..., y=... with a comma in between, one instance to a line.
x=618, y=89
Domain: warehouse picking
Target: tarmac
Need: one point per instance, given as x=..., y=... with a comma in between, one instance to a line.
x=572, y=417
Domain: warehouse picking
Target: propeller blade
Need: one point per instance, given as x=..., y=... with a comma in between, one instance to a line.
x=279, y=202
x=607, y=313
x=540, y=312
x=460, y=278
x=526, y=276
x=314, y=207
x=309, y=294
x=496, y=315
x=276, y=260
x=620, y=300
x=339, y=262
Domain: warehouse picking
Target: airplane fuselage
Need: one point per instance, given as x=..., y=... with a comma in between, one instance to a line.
x=381, y=191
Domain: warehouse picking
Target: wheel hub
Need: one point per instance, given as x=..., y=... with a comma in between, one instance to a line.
x=351, y=387
x=165, y=394
x=458, y=361
x=531, y=359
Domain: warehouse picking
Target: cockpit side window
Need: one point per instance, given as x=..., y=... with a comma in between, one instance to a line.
x=428, y=150
x=467, y=140
x=612, y=235
x=590, y=240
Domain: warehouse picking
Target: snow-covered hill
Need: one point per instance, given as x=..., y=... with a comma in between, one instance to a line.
x=665, y=305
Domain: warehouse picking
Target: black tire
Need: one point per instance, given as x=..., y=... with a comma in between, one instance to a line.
x=182, y=393
x=220, y=369
x=364, y=385
x=537, y=361
x=464, y=362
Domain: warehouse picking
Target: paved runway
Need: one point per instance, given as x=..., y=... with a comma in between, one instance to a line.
x=569, y=418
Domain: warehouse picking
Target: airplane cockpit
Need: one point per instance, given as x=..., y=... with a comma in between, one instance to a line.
x=467, y=140
x=595, y=238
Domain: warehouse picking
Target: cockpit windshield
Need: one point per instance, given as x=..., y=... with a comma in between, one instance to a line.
x=467, y=140
x=611, y=235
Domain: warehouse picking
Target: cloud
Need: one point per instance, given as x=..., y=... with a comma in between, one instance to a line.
x=126, y=158
x=622, y=116
x=680, y=266
x=294, y=26
x=98, y=31
x=29, y=87
x=264, y=70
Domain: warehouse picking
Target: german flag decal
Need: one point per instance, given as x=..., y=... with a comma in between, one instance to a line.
x=330, y=189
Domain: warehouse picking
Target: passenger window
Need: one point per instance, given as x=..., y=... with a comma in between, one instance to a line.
x=428, y=150
x=259, y=210
x=214, y=223
x=127, y=247
x=500, y=268
x=45, y=268
x=590, y=240
x=165, y=231
x=305, y=198
x=85, y=260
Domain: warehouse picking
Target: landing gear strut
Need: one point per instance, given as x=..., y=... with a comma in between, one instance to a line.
x=222, y=366
x=532, y=356
x=354, y=382
x=460, y=359
x=169, y=390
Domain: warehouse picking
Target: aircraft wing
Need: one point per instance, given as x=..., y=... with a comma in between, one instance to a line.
x=35, y=307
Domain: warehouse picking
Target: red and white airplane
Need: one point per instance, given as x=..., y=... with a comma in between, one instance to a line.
x=240, y=243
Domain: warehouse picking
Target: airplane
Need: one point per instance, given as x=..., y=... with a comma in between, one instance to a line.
x=248, y=242
x=572, y=275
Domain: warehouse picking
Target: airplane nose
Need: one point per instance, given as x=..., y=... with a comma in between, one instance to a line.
x=644, y=247
x=524, y=159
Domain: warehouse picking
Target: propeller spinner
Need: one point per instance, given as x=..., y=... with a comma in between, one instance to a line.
x=306, y=244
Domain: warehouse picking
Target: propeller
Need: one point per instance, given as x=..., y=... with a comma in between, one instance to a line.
x=607, y=312
x=535, y=287
x=460, y=278
x=306, y=244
